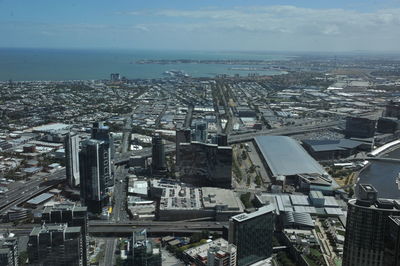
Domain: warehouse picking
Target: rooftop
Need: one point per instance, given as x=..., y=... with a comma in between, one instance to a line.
x=299, y=218
x=40, y=199
x=395, y=219
x=247, y=216
x=213, y=197
x=178, y=196
x=139, y=187
x=329, y=145
x=279, y=150
x=202, y=249
x=68, y=206
x=51, y=127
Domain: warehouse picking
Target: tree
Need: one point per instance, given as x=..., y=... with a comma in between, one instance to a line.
x=244, y=155
x=23, y=257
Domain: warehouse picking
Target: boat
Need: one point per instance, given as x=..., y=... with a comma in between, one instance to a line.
x=176, y=73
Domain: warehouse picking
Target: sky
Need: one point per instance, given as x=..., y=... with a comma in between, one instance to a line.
x=239, y=25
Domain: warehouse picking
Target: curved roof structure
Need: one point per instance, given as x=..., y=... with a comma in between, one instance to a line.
x=285, y=156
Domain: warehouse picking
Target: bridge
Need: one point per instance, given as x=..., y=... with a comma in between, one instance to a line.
x=382, y=159
x=110, y=228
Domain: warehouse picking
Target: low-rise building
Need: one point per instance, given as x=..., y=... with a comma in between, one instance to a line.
x=214, y=253
x=179, y=201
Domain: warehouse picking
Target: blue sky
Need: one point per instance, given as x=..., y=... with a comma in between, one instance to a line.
x=306, y=25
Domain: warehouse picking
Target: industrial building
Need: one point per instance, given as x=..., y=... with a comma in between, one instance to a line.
x=366, y=227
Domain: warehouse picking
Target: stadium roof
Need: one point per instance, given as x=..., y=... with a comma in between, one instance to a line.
x=285, y=156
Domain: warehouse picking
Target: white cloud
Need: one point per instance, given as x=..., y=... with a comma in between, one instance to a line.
x=237, y=28
x=284, y=19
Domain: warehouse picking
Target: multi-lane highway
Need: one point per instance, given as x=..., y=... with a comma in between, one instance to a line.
x=120, y=189
x=29, y=189
x=113, y=228
x=158, y=227
x=109, y=252
x=286, y=131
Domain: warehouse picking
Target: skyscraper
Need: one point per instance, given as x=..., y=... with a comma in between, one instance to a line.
x=182, y=136
x=205, y=164
x=102, y=132
x=144, y=252
x=367, y=222
x=158, y=153
x=200, y=131
x=221, y=140
x=252, y=234
x=8, y=250
x=392, y=242
x=359, y=127
x=72, y=215
x=59, y=245
x=115, y=77
x=94, y=160
x=71, y=147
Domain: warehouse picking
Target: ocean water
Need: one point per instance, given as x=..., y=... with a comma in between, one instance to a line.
x=58, y=64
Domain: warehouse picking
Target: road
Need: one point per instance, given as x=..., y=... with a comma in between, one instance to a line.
x=126, y=134
x=120, y=188
x=29, y=189
x=156, y=227
x=293, y=130
x=109, y=252
x=123, y=228
x=188, y=118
